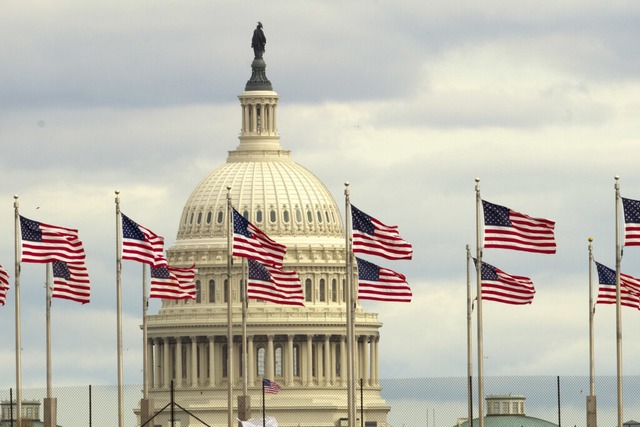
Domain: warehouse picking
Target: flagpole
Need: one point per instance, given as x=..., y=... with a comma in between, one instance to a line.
x=48, y=325
x=17, y=314
x=245, y=302
x=479, y=297
x=119, y=308
x=469, y=341
x=229, y=313
x=591, y=399
x=618, y=305
x=351, y=416
x=145, y=380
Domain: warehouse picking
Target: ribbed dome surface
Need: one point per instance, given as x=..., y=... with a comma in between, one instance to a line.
x=280, y=197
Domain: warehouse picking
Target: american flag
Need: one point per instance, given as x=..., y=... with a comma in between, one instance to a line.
x=141, y=244
x=381, y=284
x=372, y=237
x=270, y=386
x=4, y=285
x=250, y=242
x=496, y=285
x=71, y=281
x=631, y=222
x=507, y=229
x=43, y=243
x=269, y=283
x=173, y=282
x=629, y=288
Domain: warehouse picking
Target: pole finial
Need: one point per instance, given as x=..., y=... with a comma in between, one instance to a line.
x=590, y=239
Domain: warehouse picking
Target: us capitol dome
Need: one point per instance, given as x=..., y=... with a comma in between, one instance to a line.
x=303, y=349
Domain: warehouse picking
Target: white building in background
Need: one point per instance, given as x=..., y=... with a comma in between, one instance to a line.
x=302, y=348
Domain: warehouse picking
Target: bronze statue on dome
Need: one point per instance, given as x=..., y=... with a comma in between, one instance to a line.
x=258, y=41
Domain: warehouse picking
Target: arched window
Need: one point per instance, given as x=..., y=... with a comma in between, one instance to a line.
x=308, y=290
x=199, y=221
x=220, y=217
x=260, y=363
x=272, y=215
x=226, y=290
x=319, y=214
x=277, y=357
x=334, y=290
x=322, y=290
x=309, y=216
x=212, y=290
x=285, y=216
x=198, y=291
x=209, y=217
x=245, y=214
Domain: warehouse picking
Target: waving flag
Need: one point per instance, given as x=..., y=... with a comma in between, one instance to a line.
x=372, y=237
x=250, y=242
x=173, y=283
x=629, y=288
x=141, y=244
x=71, y=281
x=269, y=283
x=43, y=243
x=270, y=386
x=496, y=285
x=4, y=285
x=631, y=222
x=381, y=284
x=507, y=229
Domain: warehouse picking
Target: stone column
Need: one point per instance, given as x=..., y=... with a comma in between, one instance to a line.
x=166, y=376
x=289, y=360
x=158, y=364
x=327, y=360
x=194, y=361
x=365, y=359
x=212, y=360
x=309, y=360
x=268, y=370
x=178, y=362
x=343, y=360
x=251, y=361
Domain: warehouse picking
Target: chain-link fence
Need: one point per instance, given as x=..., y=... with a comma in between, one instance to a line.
x=414, y=402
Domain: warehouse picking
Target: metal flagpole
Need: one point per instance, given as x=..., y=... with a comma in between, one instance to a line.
x=479, y=297
x=469, y=340
x=17, y=314
x=145, y=379
x=229, y=312
x=48, y=325
x=245, y=302
x=351, y=407
x=618, y=305
x=119, y=308
x=591, y=398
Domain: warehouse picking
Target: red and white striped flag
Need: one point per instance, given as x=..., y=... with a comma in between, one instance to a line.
x=173, y=282
x=371, y=236
x=4, y=285
x=71, y=281
x=251, y=242
x=496, y=285
x=381, y=284
x=141, y=244
x=43, y=243
x=269, y=283
x=507, y=229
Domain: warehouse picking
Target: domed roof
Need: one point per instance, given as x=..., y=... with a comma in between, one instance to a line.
x=274, y=193
x=278, y=195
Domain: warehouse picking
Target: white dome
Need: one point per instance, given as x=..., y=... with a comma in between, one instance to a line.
x=281, y=197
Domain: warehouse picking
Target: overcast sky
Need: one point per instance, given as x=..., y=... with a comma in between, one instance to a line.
x=408, y=101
